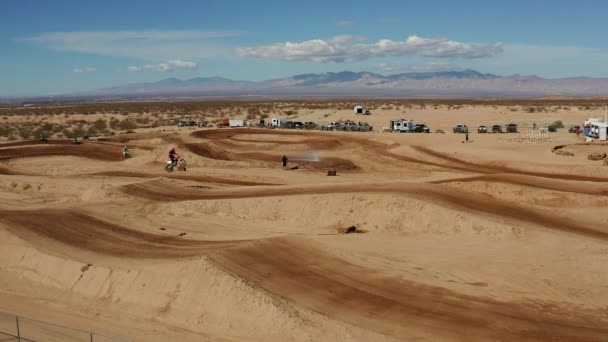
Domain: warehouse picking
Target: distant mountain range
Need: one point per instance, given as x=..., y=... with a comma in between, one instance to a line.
x=464, y=84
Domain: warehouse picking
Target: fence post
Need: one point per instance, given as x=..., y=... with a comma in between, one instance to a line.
x=91, y=337
x=18, y=332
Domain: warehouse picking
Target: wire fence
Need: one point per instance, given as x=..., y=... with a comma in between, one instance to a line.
x=16, y=328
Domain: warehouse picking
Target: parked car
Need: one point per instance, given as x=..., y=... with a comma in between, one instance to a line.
x=482, y=129
x=182, y=124
x=496, y=129
x=422, y=128
x=310, y=125
x=512, y=128
x=574, y=129
x=193, y=124
x=364, y=127
x=333, y=126
x=350, y=126
x=298, y=125
x=461, y=128
x=552, y=129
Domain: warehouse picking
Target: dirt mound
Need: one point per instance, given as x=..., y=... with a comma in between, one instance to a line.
x=596, y=156
x=479, y=203
x=342, y=291
x=6, y=171
x=561, y=152
x=86, y=150
x=196, y=178
x=82, y=231
x=210, y=151
x=36, y=142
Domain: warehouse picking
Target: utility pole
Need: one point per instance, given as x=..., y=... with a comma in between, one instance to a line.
x=605, y=113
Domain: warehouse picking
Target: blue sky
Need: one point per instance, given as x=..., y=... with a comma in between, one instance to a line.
x=63, y=46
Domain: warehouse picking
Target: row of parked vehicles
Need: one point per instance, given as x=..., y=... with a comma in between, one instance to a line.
x=348, y=125
x=510, y=128
x=192, y=124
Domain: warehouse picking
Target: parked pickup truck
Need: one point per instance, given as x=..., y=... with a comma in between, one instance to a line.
x=496, y=129
x=512, y=128
x=364, y=127
x=350, y=126
x=422, y=128
x=482, y=129
x=462, y=128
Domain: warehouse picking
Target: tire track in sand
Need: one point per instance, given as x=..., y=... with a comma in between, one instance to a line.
x=460, y=164
x=432, y=193
x=85, y=232
x=308, y=277
x=587, y=188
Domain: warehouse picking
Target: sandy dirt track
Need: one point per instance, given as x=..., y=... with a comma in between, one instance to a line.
x=394, y=307
x=492, y=240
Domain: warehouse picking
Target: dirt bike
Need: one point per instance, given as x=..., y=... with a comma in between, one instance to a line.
x=179, y=165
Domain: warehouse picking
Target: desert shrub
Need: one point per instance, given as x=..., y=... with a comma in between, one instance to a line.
x=558, y=124
x=100, y=124
x=26, y=186
x=6, y=131
x=25, y=132
x=127, y=124
x=253, y=112
x=114, y=123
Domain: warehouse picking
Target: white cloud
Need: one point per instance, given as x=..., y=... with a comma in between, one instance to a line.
x=387, y=67
x=167, y=66
x=84, y=69
x=345, y=23
x=342, y=48
x=433, y=67
x=143, y=44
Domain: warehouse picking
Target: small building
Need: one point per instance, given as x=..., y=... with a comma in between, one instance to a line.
x=359, y=109
x=599, y=130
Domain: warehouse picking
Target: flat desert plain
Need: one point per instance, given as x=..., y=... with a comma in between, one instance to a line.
x=495, y=239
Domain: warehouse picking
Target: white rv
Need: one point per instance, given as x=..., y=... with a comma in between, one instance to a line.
x=403, y=126
x=599, y=130
x=276, y=122
x=236, y=123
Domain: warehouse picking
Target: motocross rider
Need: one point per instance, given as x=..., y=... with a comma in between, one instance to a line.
x=173, y=156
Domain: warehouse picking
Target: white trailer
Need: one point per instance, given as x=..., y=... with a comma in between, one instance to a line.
x=359, y=109
x=277, y=122
x=403, y=126
x=599, y=130
x=236, y=123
